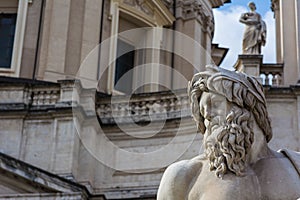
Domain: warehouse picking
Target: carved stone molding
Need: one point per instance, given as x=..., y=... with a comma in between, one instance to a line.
x=218, y=3
x=210, y=25
x=194, y=9
x=274, y=5
x=140, y=5
x=169, y=4
x=157, y=107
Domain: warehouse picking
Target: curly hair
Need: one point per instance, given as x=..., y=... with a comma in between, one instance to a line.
x=238, y=88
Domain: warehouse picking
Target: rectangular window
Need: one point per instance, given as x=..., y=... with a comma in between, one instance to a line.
x=7, y=34
x=124, y=66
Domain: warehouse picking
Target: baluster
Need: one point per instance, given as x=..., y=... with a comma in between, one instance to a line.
x=101, y=110
x=185, y=102
x=135, y=109
x=35, y=98
x=178, y=104
x=267, y=80
x=262, y=78
x=52, y=97
x=165, y=105
x=274, y=80
x=109, y=110
x=143, y=108
x=278, y=79
x=172, y=104
x=150, y=106
x=122, y=110
x=47, y=99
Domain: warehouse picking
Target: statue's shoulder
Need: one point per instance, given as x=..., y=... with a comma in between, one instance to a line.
x=177, y=178
x=183, y=168
x=294, y=158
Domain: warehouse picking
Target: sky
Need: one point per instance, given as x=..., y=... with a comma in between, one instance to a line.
x=229, y=31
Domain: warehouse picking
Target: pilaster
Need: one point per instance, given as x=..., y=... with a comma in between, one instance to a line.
x=194, y=18
x=296, y=90
x=287, y=38
x=196, y=10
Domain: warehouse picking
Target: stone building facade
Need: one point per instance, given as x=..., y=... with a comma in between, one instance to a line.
x=68, y=131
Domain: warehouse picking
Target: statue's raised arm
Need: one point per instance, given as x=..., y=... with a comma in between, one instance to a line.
x=255, y=31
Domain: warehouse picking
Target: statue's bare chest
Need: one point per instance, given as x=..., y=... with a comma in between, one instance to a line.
x=209, y=187
x=265, y=183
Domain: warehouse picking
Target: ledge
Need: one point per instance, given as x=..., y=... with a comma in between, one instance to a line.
x=38, y=178
x=38, y=98
x=4, y=80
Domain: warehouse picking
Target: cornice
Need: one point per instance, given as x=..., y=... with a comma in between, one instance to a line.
x=196, y=10
x=274, y=5
x=152, y=12
x=218, y=3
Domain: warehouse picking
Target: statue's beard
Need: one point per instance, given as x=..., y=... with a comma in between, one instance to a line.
x=228, y=146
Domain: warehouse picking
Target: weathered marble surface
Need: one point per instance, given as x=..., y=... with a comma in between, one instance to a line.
x=255, y=31
x=237, y=163
x=41, y=114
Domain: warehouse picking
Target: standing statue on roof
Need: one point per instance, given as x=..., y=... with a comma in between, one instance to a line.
x=255, y=31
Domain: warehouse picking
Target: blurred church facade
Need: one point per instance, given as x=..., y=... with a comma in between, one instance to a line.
x=47, y=45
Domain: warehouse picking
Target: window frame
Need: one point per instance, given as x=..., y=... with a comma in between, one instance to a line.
x=134, y=61
x=13, y=18
x=162, y=17
x=17, y=50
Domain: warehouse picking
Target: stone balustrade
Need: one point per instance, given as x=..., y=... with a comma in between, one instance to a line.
x=143, y=107
x=272, y=74
x=45, y=96
x=137, y=108
x=25, y=93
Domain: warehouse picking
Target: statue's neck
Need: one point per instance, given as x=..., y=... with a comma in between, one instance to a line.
x=259, y=148
x=261, y=153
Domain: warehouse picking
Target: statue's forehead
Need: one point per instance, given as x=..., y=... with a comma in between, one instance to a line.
x=211, y=97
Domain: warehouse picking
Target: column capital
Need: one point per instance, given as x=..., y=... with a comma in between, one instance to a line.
x=274, y=5
x=196, y=10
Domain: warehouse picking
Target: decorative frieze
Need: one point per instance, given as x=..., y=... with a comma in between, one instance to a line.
x=45, y=96
x=169, y=4
x=196, y=10
x=138, y=108
x=28, y=93
x=140, y=5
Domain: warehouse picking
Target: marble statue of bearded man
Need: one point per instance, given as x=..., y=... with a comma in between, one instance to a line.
x=237, y=164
